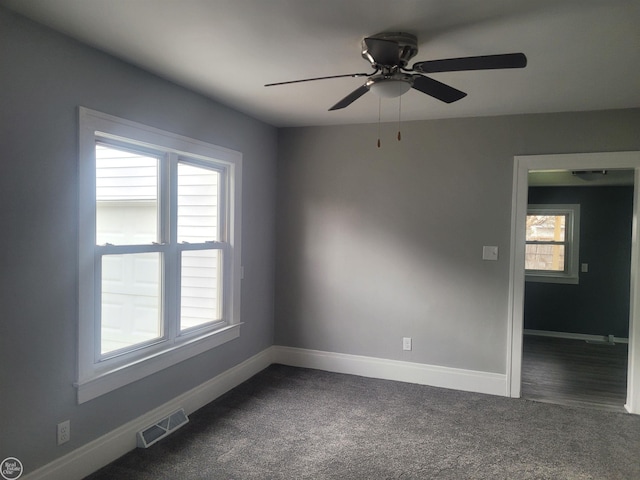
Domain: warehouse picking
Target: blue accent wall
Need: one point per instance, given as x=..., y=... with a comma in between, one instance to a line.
x=599, y=304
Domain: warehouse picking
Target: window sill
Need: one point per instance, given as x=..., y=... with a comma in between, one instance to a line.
x=118, y=377
x=567, y=280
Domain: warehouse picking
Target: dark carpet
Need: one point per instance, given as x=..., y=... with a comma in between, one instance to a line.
x=293, y=423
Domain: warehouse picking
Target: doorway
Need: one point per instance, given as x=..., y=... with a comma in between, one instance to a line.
x=591, y=161
x=576, y=309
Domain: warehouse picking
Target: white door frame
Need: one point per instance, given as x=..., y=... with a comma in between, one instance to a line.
x=577, y=161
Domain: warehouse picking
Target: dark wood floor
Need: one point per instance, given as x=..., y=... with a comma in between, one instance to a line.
x=574, y=372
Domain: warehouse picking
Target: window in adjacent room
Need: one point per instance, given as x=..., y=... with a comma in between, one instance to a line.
x=552, y=243
x=159, y=250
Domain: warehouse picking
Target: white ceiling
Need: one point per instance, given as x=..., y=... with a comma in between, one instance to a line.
x=584, y=178
x=583, y=54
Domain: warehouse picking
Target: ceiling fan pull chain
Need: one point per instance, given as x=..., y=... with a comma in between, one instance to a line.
x=379, y=108
x=399, y=117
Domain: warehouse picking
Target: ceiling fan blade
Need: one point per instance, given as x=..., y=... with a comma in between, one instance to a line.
x=353, y=75
x=437, y=89
x=483, y=62
x=352, y=97
x=381, y=52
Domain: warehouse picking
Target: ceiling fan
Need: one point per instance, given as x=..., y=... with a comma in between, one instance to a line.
x=389, y=54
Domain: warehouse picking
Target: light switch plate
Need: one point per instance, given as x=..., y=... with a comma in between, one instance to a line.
x=489, y=253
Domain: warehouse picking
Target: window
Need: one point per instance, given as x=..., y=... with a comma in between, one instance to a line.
x=159, y=250
x=552, y=246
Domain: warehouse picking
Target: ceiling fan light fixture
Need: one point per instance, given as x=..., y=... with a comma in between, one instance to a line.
x=390, y=88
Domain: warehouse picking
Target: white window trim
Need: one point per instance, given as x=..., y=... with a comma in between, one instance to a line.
x=97, y=379
x=572, y=276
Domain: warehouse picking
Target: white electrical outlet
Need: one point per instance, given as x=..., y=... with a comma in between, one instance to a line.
x=64, y=432
x=406, y=343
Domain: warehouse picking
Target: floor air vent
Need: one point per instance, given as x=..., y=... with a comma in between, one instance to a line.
x=164, y=427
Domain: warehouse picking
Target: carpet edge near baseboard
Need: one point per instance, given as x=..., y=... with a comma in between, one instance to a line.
x=96, y=454
x=410, y=372
x=107, y=448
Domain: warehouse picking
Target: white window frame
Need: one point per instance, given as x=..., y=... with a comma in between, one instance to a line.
x=571, y=275
x=98, y=374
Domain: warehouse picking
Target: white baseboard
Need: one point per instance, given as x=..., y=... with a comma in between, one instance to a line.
x=435, y=376
x=102, y=451
x=574, y=336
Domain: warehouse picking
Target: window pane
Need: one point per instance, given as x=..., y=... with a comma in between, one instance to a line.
x=126, y=197
x=130, y=300
x=198, y=192
x=201, y=288
x=544, y=257
x=546, y=228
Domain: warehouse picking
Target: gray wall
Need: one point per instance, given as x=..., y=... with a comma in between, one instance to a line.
x=44, y=77
x=599, y=303
x=376, y=244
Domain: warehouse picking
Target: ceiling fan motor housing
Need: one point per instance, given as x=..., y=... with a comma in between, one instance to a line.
x=407, y=47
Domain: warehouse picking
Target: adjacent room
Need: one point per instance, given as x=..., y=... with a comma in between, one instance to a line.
x=577, y=287
x=337, y=239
